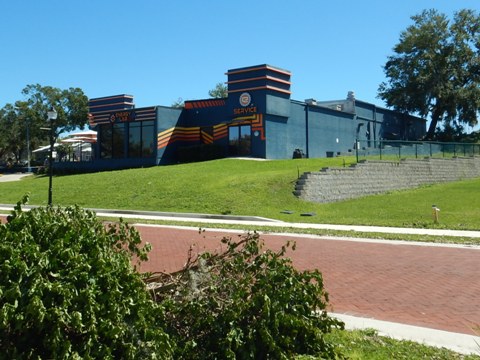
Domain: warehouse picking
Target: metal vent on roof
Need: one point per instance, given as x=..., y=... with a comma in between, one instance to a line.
x=337, y=107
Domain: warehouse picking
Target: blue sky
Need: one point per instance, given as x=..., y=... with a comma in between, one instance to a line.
x=159, y=51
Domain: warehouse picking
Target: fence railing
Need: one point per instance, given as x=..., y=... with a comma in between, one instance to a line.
x=397, y=149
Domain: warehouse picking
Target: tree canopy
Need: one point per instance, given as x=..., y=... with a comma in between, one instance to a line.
x=220, y=91
x=179, y=103
x=435, y=69
x=12, y=134
x=71, y=105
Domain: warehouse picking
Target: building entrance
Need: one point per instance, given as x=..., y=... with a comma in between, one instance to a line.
x=239, y=140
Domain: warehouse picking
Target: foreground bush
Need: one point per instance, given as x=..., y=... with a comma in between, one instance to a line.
x=245, y=303
x=68, y=289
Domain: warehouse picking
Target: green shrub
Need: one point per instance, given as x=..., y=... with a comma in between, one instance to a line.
x=68, y=289
x=246, y=303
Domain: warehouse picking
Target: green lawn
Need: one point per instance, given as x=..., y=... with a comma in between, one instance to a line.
x=260, y=188
x=368, y=345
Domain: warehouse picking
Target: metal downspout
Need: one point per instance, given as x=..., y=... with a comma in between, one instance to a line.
x=307, y=141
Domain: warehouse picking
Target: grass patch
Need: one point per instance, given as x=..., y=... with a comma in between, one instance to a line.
x=257, y=188
x=367, y=344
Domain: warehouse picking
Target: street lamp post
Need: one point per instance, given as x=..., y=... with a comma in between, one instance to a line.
x=52, y=115
x=29, y=169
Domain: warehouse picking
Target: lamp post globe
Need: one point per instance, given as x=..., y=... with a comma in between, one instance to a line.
x=52, y=115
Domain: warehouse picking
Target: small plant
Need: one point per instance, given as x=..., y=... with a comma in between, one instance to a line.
x=245, y=303
x=368, y=344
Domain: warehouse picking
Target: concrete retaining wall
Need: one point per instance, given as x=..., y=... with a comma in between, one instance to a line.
x=374, y=177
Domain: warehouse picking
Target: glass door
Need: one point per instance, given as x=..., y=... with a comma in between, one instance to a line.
x=239, y=140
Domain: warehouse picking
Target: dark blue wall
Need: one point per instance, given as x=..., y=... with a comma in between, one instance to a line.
x=167, y=118
x=277, y=104
x=327, y=131
x=205, y=113
x=276, y=137
x=391, y=124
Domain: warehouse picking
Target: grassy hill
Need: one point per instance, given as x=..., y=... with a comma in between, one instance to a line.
x=260, y=188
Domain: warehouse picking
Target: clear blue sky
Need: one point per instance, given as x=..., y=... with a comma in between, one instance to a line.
x=159, y=51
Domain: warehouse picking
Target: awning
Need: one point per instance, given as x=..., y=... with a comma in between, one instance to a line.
x=44, y=148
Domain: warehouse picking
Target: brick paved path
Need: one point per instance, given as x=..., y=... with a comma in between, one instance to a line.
x=434, y=287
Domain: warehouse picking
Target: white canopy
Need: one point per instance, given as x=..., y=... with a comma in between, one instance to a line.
x=44, y=148
x=87, y=133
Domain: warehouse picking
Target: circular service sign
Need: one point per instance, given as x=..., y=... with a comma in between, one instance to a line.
x=245, y=99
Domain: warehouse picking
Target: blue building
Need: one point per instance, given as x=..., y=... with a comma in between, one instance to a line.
x=257, y=119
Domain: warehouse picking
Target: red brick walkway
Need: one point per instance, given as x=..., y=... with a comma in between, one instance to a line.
x=434, y=287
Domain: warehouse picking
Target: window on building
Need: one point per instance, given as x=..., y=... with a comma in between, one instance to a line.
x=105, y=140
x=134, y=140
x=148, y=139
x=118, y=140
x=141, y=139
x=139, y=134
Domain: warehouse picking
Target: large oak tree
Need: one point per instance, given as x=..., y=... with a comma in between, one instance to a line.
x=71, y=105
x=435, y=69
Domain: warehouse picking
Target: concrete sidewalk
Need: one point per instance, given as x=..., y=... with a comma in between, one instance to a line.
x=259, y=221
x=13, y=177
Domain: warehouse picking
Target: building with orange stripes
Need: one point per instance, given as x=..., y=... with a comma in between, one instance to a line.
x=257, y=119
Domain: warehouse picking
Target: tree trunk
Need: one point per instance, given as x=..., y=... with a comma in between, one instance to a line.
x=433, y=125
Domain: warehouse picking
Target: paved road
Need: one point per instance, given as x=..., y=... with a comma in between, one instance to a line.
x=429, y=286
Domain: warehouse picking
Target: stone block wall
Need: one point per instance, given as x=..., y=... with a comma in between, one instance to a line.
x=374, y=177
